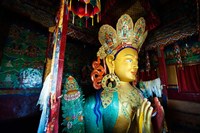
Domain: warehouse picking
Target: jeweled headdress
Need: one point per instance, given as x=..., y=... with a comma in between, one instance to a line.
x=126, y=35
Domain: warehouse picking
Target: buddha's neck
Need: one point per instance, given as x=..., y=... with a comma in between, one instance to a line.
x=125, y=85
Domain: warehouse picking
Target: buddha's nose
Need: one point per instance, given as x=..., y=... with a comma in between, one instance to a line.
x=135, y=66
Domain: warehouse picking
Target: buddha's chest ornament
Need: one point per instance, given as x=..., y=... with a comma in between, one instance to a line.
x=129, y=101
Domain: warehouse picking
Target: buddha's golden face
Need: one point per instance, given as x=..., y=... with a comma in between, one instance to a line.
x=126, y=65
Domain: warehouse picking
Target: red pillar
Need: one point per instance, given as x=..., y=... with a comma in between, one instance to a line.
x=162, y=69
x=60, y=67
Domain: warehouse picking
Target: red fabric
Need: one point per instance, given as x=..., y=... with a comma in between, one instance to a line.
x=162, y=69
x=189, y=78
x=181, y=80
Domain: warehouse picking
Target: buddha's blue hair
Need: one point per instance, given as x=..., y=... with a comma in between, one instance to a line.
x=97, y=110
x=122, y=49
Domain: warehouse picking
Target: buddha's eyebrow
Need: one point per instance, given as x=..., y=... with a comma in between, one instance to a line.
x=131, y=55
x=128, y=55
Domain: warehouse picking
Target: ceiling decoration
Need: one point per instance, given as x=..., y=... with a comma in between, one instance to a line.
x=85, y=8
x=167, y=20
x=179, y=21
x=169, y=34
x=111, y=10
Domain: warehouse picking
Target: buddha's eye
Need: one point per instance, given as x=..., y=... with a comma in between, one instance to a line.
x=129, y=60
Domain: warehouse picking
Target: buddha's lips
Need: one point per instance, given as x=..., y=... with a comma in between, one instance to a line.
x=72, y=95
x=134, y=73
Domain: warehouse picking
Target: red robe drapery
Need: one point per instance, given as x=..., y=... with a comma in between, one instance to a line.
x=189, y=78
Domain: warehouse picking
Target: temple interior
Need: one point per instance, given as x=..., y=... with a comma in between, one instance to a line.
x=29, y=52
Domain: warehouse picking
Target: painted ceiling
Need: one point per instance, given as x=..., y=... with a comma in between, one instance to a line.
x=167, y=20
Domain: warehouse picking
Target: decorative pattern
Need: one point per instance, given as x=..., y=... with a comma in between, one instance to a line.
x=72, y=107
x=188, y=53
x=109, y=87
x=125, y=29
x=112, y=41
x=30, y=78
x=177, y=55
x=181, y=28
x=126, y=35
x=84, y=8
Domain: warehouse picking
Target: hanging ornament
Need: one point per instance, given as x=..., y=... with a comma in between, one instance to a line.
x=85, y=8
x=89, y=10
x=178, y=55
x=86, y=22
x=80, y=9
x=148, y=67
x=70, y=5
x=73, y=18
x=86, y=2
x=92, y=20
x=96, y=11
x=98, y=14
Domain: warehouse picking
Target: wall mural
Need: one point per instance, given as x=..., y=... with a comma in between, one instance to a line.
x=22, y=63
x=183, y=52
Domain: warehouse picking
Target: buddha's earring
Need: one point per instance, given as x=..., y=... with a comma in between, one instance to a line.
x=110, y=82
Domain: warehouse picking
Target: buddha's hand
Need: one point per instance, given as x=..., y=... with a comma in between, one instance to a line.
x=144, y=114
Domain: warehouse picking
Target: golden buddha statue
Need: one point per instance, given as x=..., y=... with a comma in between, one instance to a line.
x=118, y=106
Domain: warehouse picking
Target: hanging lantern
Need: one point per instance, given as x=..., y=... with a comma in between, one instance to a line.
x=85, y=8
x=87, y=1
x=96, y=10
x=96, y=7
x=80, y=9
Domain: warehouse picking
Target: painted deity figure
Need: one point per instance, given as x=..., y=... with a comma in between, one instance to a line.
x=118, y=106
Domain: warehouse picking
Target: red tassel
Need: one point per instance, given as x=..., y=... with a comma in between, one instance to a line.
x=85, y=8
x=92, y=21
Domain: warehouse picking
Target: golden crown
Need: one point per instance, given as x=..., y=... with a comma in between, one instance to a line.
x=125, y=35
